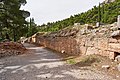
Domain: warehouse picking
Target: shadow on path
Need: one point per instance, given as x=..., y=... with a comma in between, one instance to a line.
x=42, y=64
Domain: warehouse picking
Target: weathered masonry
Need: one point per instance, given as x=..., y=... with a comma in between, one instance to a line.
x=83, y=40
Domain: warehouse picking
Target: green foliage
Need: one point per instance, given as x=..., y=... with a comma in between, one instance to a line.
x=32, y=29
x=99, y=13
x=104, y=13
x=71, y=61
x=12, y=19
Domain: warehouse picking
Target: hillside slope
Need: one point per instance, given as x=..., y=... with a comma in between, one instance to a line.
x=108, y=14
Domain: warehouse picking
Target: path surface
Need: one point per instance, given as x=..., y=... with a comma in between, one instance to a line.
x=44, y=65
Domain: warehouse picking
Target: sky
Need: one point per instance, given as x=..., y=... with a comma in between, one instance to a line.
x=44, y=11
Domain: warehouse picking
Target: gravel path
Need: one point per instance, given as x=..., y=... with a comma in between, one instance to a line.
x=45, y=65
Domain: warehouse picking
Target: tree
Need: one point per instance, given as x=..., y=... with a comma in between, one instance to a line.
x=32, y=29
x=11, y=17
x=102, y=13
x=99, y=13
x=106, y=14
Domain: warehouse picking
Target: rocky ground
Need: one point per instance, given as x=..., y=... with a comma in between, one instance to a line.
x=11, y=49
x=104, y=64
x=43, y=64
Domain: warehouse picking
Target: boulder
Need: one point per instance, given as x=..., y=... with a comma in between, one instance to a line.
x=118, y=58
x=114, y=25
x=115, y=33
x=76, y=24
x=112, y=40
x=83, y=31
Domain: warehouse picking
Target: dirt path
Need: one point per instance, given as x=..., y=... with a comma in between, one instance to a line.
x=45, y=65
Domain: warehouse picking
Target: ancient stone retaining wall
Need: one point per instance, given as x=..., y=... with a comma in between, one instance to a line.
x=83, y=42
x=109, y=47
x=61, y=44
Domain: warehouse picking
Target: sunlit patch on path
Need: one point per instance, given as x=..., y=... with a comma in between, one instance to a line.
x=42, y=64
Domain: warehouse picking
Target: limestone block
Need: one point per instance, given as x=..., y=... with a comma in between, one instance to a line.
x=112, y=40
x=83, y=50
x=98, y=24
x=105, y=66
x=103, y=44
x=76, y=24
x=115, y=47
x=104, y=53
x=83, y=31
x=89, y=43
x=82, y=41
x=115, y=33
x=103, y=30
x=114, y=25
x=118, y=58
x=91, y=50
x=111, y=55
x=95, y=42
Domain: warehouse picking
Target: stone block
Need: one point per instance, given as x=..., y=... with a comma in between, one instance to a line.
x=106, y=67
x=83, y=31
x=114, y=25
x=83, y=50
x=114, y=47
x=82, y=41
x=111, y=55
x=103, y=44
x=95, y=42
x=89, y=43
x=115, y=33
x=118, y=58
x=112, y=40
x=91, y=50
x=104, y=53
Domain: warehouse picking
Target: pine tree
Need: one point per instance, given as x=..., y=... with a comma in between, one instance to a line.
x=99, y=14
x=12, y=18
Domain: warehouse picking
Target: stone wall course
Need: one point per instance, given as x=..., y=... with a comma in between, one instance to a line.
x=74, y=43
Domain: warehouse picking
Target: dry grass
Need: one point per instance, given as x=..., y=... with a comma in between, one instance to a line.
x=83, y=60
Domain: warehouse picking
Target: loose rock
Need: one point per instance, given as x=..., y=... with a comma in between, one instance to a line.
x=105, y=67
x=118, y=58
x=115, y=33
x=11, y=48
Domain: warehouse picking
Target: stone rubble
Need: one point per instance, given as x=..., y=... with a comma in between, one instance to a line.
x=11, y=49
